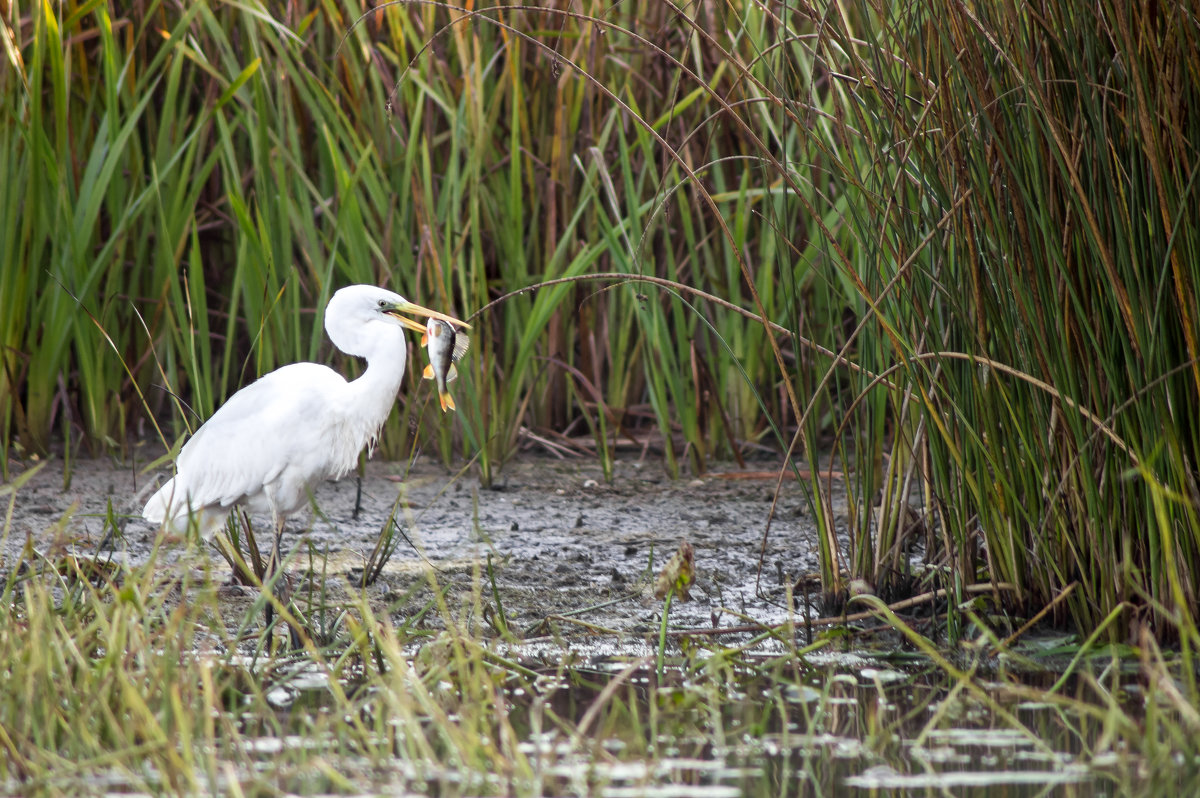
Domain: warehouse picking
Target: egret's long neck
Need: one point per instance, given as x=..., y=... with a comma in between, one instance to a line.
x=373, y=393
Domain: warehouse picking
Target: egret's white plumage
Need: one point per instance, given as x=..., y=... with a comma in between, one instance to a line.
x=273, y=440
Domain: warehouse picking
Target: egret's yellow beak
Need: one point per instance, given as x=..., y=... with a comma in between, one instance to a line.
x=414, y=309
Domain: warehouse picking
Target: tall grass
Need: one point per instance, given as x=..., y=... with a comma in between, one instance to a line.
x=263, y=162
x=1034, y=277
x=973, y=221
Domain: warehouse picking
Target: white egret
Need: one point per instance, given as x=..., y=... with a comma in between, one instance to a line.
x=274, y=440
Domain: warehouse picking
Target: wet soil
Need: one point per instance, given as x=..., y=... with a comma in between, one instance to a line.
x=560, y=538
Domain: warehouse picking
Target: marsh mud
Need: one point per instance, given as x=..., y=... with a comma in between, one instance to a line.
x=560, y=539
x=573, y=559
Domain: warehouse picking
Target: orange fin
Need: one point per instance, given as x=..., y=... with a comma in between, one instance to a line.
x=447, y=401
x=428, y=372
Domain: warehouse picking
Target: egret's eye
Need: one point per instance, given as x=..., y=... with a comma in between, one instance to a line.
x=383, y=303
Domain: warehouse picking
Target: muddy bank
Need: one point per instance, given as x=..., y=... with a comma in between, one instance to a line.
x=560, y=537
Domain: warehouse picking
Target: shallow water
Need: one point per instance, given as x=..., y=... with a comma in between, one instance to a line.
x=760, y=731
x=572, y=561
x=560, y=538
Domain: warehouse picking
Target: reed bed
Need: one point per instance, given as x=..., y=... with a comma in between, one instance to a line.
x=973, y=225
x=1033, y=289
x=241, y=167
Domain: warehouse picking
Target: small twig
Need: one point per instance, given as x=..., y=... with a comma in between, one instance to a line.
x=1066, y=591
x=803, y=473
x=840, y=359
x=835, y=620
x=602, y=604
x=591, y=627
x=607, y=693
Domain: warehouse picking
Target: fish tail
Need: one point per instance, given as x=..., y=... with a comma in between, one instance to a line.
x=447, y=400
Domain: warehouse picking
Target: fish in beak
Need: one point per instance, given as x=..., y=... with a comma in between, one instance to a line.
x=446, y=345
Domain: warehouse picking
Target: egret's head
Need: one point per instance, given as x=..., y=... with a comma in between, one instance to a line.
x=358, y=312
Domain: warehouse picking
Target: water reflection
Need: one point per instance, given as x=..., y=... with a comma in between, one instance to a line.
x=721, y=727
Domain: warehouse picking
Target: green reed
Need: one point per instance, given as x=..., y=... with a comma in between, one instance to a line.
x=246, y=166
x=974, y=227
x=1033, y=292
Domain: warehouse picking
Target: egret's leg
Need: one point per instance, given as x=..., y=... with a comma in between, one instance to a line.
x=273, y=572
x=276, y=545
x=283, y=588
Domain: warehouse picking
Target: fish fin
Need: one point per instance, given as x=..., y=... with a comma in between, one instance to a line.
x=461, y=343
x=428, y=372
x=447, y=401
x=452, y=374
x=424, y=339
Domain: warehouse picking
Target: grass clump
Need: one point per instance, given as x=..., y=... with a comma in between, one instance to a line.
x=972, y=225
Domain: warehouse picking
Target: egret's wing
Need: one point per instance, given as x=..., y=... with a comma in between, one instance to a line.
x=164, y=506
x=284, y=418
